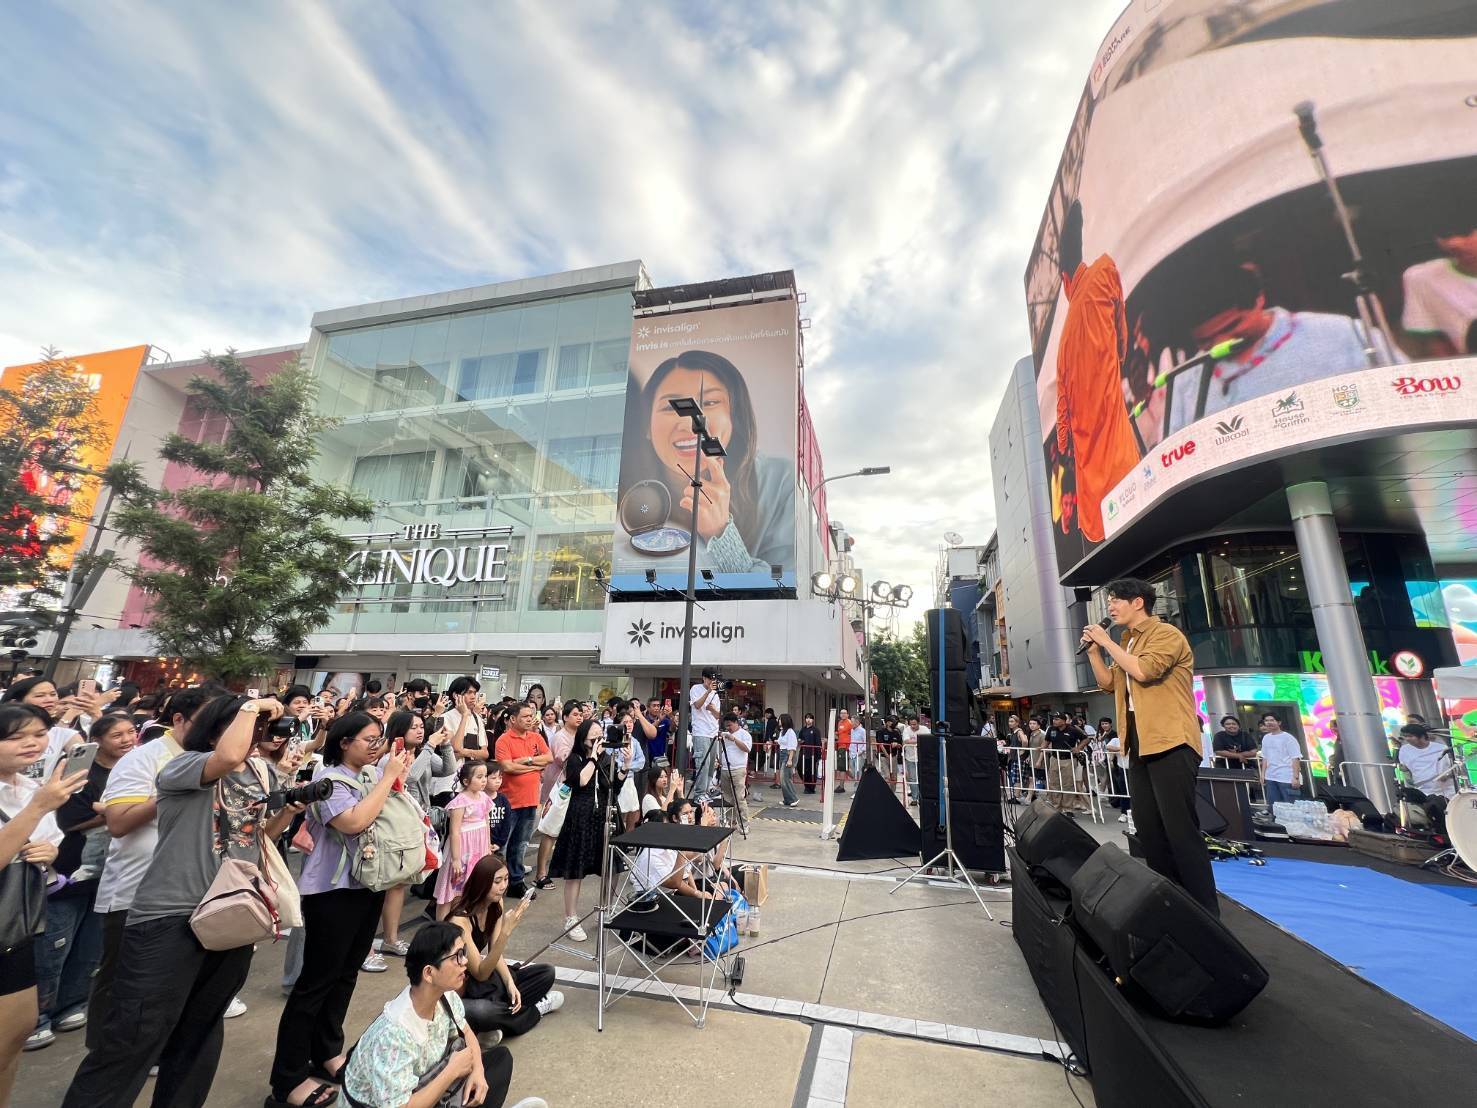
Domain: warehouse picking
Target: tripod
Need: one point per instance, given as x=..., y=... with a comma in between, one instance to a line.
x=606, y=800
x=956, y=874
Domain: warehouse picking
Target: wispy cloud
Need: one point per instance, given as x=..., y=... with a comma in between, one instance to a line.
x=209, y=175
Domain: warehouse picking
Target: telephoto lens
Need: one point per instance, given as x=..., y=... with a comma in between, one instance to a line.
x=299, y=794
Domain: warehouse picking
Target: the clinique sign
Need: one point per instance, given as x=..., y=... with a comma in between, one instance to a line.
x=436, y=565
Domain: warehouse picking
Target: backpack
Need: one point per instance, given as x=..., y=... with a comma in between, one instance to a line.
x=391, y=851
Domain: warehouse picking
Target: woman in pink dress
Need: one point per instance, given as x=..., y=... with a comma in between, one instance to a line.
x=467, y=836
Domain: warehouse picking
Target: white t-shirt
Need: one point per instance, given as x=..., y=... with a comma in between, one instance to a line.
x=738, y=756
x=132, y=781
x=14, y=797
x=475, y=727
x=1425, y=765
x=910, y=743
x=1280, y=752
x=1440, y=298
x=649, y=803
x=789, y=741
x=652, y=867
x=858, y=739
x=703, y=723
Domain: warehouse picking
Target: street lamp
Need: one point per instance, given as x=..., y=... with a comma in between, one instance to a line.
x=705, y=446
x=848, y=588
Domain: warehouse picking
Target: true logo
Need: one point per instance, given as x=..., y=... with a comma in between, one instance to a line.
x=1169, y=457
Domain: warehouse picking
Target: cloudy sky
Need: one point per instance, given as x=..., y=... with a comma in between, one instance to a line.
x=208, y=175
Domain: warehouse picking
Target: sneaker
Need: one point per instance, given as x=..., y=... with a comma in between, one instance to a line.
x=1123, y=819
x=516, y=891
x=552, y=1002
x=374, y=964
x=73, y=1021
x=841, y=790
x=399, y=948
x=532, y=1102
x=235, y=1008
x=575, y=931
x=912, y=804
x=39, y=1038
x=153, y=1071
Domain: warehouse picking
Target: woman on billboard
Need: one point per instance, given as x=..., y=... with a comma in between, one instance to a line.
x=746, y=516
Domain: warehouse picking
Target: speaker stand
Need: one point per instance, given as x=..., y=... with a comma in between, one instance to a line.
x=956, y=874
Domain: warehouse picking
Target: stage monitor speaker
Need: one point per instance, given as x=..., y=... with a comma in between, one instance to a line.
x=945, y=623
x=1159, y=943
x=1049, y=842
x=1335, y=797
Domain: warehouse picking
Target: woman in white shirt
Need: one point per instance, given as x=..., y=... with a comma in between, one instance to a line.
x=28, y=831
x=789, y=752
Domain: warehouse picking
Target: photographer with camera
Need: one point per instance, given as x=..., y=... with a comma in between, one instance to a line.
x=169, y=992
x=704, y=709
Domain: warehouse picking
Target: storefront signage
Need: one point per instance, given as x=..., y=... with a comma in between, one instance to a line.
x=1403, y=663
x=642, y=631
x=441, y=566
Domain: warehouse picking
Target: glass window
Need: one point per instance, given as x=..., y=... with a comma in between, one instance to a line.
x=564, y=571
x=495, y=470
x=394, y=478
x=574, y=366
x=498, y=376
x=608, y=362
x=587, y=460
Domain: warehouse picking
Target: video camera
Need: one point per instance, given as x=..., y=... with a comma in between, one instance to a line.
x=720, y=683
x=278, y=799
x=283, y=727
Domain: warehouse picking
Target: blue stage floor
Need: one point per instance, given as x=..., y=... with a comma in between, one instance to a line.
x=1414, y=941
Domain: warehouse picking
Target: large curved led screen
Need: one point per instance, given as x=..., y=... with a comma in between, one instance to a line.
x=1261, y=205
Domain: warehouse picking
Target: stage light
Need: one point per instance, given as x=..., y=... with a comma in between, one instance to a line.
x=651, y=577
x=686, y=406
x=599, y=576
x=881, y=589
x=776, y=572
x=822, y=581
x=902, y=594
x=847, y=585
x=712, y=448
x=707, y=575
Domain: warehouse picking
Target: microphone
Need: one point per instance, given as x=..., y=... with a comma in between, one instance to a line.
x=1104, y=623
x=1308, y=125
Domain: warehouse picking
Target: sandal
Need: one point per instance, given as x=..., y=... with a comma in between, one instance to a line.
x=321, y=1097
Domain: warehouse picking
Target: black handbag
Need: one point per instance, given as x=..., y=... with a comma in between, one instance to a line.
x=22, y=901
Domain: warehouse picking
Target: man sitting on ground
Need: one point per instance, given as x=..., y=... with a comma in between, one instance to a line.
x=395, y=1064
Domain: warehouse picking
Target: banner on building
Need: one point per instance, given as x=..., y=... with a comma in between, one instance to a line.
x=1198, y=250
x=740, y=364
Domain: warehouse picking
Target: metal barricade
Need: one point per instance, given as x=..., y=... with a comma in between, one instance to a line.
x=1361, y=775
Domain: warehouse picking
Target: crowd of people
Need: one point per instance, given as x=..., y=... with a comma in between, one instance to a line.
x=136, y=817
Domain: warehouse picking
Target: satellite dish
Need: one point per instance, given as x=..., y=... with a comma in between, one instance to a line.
x=953, y=538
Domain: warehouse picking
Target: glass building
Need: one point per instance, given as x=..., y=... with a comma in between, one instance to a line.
x=487, y=423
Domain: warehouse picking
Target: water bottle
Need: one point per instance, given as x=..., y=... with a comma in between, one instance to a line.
x=754, y=919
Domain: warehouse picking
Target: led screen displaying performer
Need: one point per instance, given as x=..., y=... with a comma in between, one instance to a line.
x=739, y=365
x=1317, y=223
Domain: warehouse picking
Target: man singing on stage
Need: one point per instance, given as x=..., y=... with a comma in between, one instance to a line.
x=1150, y=679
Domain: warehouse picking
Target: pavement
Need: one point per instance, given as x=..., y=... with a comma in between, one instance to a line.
x=853, y=995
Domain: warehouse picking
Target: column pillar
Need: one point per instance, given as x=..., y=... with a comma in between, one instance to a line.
x=1340, y=639
x=1419, y=696
x=1220, y=700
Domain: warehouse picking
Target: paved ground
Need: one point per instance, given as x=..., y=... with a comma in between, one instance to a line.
x=841, y=1004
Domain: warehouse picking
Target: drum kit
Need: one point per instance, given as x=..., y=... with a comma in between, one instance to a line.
x=1459, y=817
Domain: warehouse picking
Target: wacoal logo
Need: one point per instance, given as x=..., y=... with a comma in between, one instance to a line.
x=1230, y=426
x=640, y=633
x=1178, y=453
x=1414, y=386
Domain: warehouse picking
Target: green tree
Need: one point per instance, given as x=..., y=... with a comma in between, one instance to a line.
x=49, y=424
x=902, y=675
x=243, y=565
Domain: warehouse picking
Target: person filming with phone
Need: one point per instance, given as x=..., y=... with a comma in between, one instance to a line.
x=704, y=711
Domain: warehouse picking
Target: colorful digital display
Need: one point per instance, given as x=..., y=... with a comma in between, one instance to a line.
x=1309, y=691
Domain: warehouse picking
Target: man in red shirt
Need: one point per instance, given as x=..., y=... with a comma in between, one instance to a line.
x=523, y=754
x=1091, y=416
x=843, y=746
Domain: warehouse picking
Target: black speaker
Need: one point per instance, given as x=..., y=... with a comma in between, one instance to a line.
x=1335, y=797
x=974, y=769
x=1161, y=944
x=979, y=834
x=951, y=700
x=1048, y=841
x=974, y=801
x=945, y=622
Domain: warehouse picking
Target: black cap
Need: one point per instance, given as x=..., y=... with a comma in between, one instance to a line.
x=710, y=671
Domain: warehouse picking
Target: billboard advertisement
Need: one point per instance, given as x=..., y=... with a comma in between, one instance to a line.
x=1259, y=205
x=741, y=365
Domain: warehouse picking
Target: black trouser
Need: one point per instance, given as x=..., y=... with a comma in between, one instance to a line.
x=488, y=1008
x=807, y=767
x=169, y=1000
x=497, y=1071
x=1163, y=790
x=339, y=928
x=107, y=972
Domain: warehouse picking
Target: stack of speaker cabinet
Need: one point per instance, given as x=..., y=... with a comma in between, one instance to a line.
x=974, y=801
x=948, y=682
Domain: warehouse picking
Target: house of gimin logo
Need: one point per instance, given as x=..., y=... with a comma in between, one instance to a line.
x=1288, y=411
x=640, y=633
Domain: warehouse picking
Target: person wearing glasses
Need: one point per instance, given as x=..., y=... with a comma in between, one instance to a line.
x=397, y=1060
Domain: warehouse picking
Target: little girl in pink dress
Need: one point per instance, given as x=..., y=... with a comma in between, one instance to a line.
x=467, y=839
